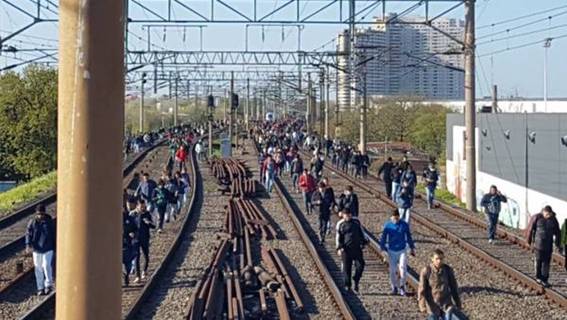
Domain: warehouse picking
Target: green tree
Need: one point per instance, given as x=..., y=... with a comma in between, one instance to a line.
x=28, y=122
x=428, y=130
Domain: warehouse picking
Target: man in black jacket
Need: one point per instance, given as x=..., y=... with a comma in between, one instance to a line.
x=349, y=200
x=541, y=237
x=40, y=240
x=324, y=199
x=351, y=240
x=144, y=223
x=386, y=171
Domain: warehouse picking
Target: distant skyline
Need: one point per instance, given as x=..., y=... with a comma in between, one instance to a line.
x=516, y=72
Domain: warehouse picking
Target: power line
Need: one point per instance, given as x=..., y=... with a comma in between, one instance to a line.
x=523, y=45
x=522, y=26
x=523, y=34
x=520, y=17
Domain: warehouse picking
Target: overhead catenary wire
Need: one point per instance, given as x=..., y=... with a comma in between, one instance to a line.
x=553, y=38
x=520, y=17
x=508, y=30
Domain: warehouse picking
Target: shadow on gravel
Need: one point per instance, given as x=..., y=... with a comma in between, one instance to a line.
x=306, y=297
x=492, y=291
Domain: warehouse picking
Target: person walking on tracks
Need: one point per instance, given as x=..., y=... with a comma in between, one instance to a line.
x=349, y=200
x=386, y=171
x=40, y=241
x=438, y=290
x=323, y=199
x=307, y=185
x=350, y=242
x=431, y=177
x=395, y=239
x=564, y=241
x=129, y=240
x=544, y=231
x=144, y=223
x=492, y=203
x=145, y=190
x=296, y=170
x=162, y=197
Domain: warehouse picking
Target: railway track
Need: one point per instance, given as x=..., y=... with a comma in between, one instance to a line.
x=468, y=232
x=16, y=267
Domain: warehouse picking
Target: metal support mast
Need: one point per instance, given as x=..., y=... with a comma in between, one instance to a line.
x=470, y=108
x=327, y=103
x=322, y=102
x=89, y=164
x=309, y=105
x=176, y=102
x=363, y=121
x=231, y=112
x=142, y=82
x=247, y=111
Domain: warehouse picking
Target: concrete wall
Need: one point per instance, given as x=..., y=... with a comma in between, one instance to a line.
x=531, y=173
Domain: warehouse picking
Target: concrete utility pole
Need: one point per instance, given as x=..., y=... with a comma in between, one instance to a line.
x=264, y=101
x=256, y=109
x=470, y=108
x=327, y=103
x=176, y=105
x=309, y=104
x=247, y=111
x=142, y=82
x=225, y=105
x=196, y=97
x=89, y=162
x=337, y=109
x=546, y=46
x=363, y=124
x=231, y=112
x=494, y=98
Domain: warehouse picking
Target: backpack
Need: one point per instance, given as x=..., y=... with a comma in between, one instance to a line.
x=533, y=220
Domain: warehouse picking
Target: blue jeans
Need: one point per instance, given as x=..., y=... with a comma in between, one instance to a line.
x=294, y=179
x=395, y=190
x=405, y=214
x=492, y=220
x=447, y=316
x=269, y=182
x=307, y=201
x=430, y=191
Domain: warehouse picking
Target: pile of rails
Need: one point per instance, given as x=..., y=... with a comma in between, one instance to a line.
x=233, y=177
x=235, y=285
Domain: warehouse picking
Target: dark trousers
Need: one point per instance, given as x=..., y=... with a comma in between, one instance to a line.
x=323, y=225
x=145, y=248
x=161, y=214
x=127, y=263
x=350, y=256
x=364, y=171
x=388, y=185
x=492, y=221
x=565, y=253
x=543, y=260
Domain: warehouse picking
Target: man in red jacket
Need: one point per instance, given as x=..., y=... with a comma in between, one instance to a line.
x=307, y=185
x=180, y=157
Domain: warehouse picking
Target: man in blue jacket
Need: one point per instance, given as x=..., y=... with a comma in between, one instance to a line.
x=40, y=240
x=395, y=239
x=492, y=204
x=145, y=191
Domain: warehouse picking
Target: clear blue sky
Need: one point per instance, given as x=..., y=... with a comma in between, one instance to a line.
x=518, y=71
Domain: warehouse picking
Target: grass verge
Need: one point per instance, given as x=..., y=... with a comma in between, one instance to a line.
x=26, y=192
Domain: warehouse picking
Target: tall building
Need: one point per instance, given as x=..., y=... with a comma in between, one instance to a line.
x=402, y=59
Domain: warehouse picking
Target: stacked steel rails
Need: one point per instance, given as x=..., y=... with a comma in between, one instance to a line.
x=17, y=287
x=465, y=229
x=163, y=245
x=233, y=177
x=235, y=285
